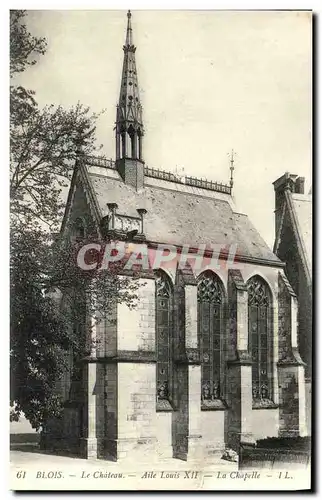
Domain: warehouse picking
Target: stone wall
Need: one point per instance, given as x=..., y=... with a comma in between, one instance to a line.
x=212, y=429
x=136, y=327
x=136, y=409
x=121, y=417
x=292, y=419
x=265, y=423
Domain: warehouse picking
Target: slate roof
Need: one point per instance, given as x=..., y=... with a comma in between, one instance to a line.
x=178, y=218
x=302, y=207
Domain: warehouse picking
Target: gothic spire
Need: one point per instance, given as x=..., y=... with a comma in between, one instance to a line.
x=129, y=125
x=129, y=29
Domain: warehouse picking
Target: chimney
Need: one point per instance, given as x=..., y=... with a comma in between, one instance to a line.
x=299, y=185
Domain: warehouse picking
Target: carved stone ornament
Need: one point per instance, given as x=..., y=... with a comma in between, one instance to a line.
x=210, y=391
x=127, y=223
x=163, y=391
x=192, y=355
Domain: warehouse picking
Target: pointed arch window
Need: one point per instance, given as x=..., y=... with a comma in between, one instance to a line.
x=140, y=143
x=133, y=142
x=259, y=339
x=164, y=338
x=211, y=301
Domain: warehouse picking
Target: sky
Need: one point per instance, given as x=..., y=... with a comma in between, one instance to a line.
x=209, y=81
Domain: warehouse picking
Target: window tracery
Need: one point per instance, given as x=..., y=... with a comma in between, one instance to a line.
x=164, y=307
x=259, y=339
x=210, y=325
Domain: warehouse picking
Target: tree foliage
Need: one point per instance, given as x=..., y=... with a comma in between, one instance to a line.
x=38, y=333
x=41, y=332
x=44, y=145
x=43, y=142
x=43, y=149
x=24, y=48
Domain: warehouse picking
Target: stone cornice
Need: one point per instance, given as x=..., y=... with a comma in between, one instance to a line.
x=190, y=356
x=237, y=258
x=243, y=358
x=124, y=356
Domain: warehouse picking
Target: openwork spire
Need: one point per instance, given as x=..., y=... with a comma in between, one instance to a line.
x=129, y=124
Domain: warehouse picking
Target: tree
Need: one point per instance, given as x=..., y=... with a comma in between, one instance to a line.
x=41, y=332
x=24, y=48
x=43, y=149
x=44, y=145
x=38, y=337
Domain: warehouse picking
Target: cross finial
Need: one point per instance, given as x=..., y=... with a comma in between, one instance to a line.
x=128, y=40
x=232, y=167
x=179, y=172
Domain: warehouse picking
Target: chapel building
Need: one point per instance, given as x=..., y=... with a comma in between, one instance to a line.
x=209, y=358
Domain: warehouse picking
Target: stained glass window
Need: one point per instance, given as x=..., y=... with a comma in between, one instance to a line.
x=258, y=337
x=163, y=314
x=210, y=329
